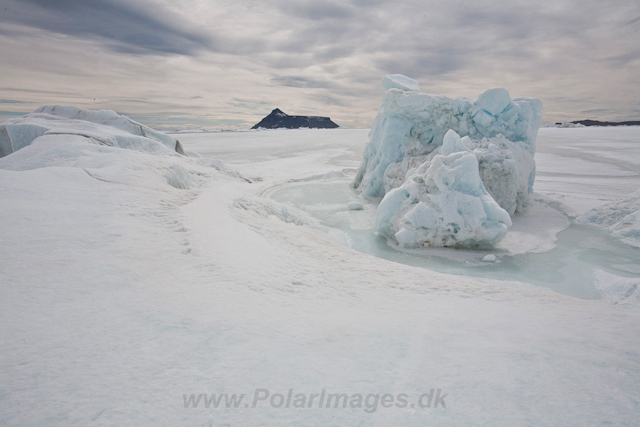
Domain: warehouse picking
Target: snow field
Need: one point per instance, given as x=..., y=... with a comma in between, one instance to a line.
x=121, y=292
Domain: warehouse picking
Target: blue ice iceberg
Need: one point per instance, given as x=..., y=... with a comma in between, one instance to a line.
x=412, y=124
x=407, y=135
x=443, y=203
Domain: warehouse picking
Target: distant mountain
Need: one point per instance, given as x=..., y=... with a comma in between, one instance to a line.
x=277, y=119
x=597, y=123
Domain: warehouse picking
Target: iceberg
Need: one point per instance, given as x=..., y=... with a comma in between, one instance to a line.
x=103, y=127
x=443, y=203
x=411, y=125
x=408, y=135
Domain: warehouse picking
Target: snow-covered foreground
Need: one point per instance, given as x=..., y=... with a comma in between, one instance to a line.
x=121, y=292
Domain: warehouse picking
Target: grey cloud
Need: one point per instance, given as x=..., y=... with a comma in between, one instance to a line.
x=23, y=90
x=141, y=29
x=335, y=51
x=572, y=100
x=434, y=63
x=620, y=61
x=599, y=111
x=250, y=101
x=283, y=61
x=247, y=106
x=505, y=24
x=311, y=36
x=316, y=9
x=302, y=82
x=630, y=22
x=329, y=100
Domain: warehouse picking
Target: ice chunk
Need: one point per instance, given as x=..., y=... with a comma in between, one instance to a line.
x=16, y=136
x=494, y=101
x=507, y=171
x=443, y=203
x=104, y=127
x=410, y=127
x=489, y=258
x=398, y=81
x=355, y=206
x=452, y=143
x=440, y=189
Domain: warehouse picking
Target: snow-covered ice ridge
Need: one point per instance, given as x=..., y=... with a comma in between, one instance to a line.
x=104, y=145
x=621, y=218
x=103, y=127
x=452, y=208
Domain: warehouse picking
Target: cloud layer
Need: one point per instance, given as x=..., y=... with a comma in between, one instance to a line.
x=228, y=63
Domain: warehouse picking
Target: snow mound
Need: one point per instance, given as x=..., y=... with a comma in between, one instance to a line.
x=618, y=290
x=621, y=218
x=443, y=203
x=411, y=125
x=104, y=127
x=106, y=146
x=116, y=165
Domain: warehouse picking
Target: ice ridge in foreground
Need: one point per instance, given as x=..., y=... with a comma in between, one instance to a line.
x=104, y=127
x=406, y=140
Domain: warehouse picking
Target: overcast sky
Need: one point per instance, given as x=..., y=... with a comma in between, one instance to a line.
x=219, y=63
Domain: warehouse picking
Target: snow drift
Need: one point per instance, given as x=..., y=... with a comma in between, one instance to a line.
x=407, y=135
x=103, y=127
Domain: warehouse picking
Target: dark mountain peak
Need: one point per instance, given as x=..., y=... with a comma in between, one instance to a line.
x=279, y=119
x=278, y=112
